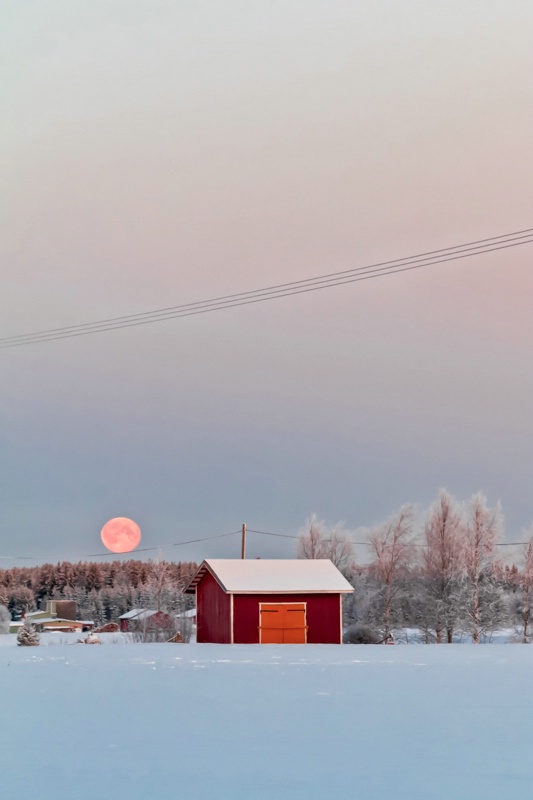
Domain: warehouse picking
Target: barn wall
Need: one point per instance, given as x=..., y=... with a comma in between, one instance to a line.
x=323, y=616
x=212, y=612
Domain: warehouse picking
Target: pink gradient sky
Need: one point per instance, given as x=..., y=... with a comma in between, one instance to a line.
x=159, y=153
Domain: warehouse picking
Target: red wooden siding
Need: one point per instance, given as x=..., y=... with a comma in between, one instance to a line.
x=156, y=621
x=213, y=609
x=322, y=616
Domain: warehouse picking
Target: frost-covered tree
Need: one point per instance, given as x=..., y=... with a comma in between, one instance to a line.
x=44, y=581
x=392, y=550
x=442, y=563
x=27, y=636
x=159, y=587
x=524, y=581
x=95, y=608
x=5, y=619
x=163, y=590
x=363, y=606
x=101, y=591
x=21, y=598
x=483, y=609
x=94, y=577
x=318, y=540
x=312, y=543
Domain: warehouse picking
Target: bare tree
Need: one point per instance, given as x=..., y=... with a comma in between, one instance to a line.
x=442, y=559
x=341, y=551
x=5, y=619
x=525, y=582
x=159, y=583
x=320, y=541
x=311, y=543
x=393, y=552
x=163, y=592
x=479, y=539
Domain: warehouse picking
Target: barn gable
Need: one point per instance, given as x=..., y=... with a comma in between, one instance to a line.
x=273, y=576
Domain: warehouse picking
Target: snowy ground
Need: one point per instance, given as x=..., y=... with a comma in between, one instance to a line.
x=165, y=721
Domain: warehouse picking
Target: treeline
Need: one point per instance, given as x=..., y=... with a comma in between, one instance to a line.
x=443, y=577
x=102, y=591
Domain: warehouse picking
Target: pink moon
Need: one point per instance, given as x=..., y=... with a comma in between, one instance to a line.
x=121, y=535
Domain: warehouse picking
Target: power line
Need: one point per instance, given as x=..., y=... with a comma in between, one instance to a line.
x=167, y=546
x=269, y=533
x=259, y=295
x=365, y=544
x=137, y=550
x=289, y=536
x=208, y=539
x=509, y=544
x=382, y=269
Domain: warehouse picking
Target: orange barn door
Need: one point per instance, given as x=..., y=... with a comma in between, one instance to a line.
x=282, y=623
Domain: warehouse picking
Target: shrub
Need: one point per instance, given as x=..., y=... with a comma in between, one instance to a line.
x=28, y=636
x=361, y=634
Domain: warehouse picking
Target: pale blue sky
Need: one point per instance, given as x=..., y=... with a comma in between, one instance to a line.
x=155, y=153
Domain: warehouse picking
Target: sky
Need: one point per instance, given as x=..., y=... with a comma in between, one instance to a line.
x=158, y=153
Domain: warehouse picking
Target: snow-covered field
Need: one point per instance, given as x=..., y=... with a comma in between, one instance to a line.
x=169, y=721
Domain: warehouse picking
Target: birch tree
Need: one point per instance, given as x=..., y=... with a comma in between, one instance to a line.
x=392, y=549
x=442, y=561
x=479, y=540
x=525, y=582
x=321, y=541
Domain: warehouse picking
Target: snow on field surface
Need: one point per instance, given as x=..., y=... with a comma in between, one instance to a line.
x=165, y=721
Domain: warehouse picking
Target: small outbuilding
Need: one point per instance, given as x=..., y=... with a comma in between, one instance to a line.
x=58, y=624
x=267, y=601
x=141, y=619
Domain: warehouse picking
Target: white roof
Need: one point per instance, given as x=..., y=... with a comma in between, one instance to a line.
x=139, y=613
x=59, y=620
x=187, y=614
x=147, y=613
x=274, y=576
x=133, y=613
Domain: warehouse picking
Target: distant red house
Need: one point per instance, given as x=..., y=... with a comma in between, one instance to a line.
x=268, y=601
x=144, y=619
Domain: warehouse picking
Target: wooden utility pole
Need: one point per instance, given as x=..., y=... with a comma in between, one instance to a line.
x=243, y=542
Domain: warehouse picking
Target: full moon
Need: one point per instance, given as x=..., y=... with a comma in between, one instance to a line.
x=121, y=535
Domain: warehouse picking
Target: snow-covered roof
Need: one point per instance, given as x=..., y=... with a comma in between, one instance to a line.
x=139, y=613
x=59, y=626
x=59, y=620
x=147, y=612
x=273, y=576
x=133, y=613
x=187, y=614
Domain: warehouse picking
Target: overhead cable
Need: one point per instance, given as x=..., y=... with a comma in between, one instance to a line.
x=133, y=552
x=211, y=538
x=381, y=269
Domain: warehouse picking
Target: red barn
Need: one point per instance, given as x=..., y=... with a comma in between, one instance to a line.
x=142, y=619
x=269, y=601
